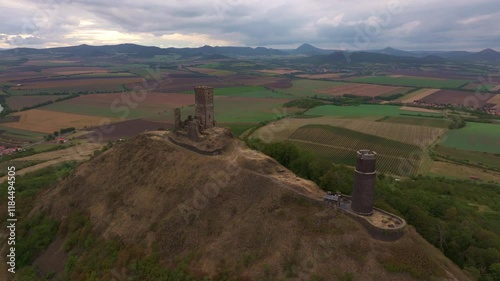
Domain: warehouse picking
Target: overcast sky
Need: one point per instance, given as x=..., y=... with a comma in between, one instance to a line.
x=334, y=24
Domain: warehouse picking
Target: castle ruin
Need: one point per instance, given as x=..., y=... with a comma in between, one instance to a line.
x=204, y=114
x=199, y=133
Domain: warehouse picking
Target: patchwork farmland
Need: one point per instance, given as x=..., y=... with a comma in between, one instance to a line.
x=20, y=102
x=339, y=146
x=409, y=81
x=365, y=111
x=363, y=90
x=468, y=99
x=123, y=105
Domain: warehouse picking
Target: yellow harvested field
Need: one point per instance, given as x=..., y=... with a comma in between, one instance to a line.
x=412, y=134
x=280, y=71
x=495, y=100
x=496, y=89
x=463, y=172
x=45, y=121
x=417, y=95
x=418, y=109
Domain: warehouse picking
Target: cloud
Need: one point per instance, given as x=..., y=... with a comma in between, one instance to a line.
x=417, y=24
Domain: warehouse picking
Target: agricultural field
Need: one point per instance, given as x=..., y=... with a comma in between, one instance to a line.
x=481, y=158
x=364, y=111
x=476, y=137
x=20, y=102
x=411, y=134
x=84, y=84
x=339, y=145
x=479, y=87
x=279, y=71
x=122, y=105
x=421, y=82
x=421, y=121
x=45, y=121
x=363, y=90
x=212, y=71
x=249, y=92
x=266, y=81
x=417, y=95
x=13, y=136
x=495, y=100
x=175, y=83
x=469, y=99
x=319, y=76
x=306, y=88
x=239, y=110
x=73, y=70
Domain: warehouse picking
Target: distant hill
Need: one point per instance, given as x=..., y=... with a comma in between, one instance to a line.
x=395, y=52
x=486, y=56
x=346, y=58
x=308, y=49
x=146, y=51
x=240, y=215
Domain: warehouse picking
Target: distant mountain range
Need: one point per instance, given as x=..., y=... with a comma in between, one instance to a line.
x=384, y=55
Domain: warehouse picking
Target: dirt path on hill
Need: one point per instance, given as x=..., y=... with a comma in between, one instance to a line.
x=75, y=153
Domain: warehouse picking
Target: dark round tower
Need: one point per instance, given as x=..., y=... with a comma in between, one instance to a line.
x=363, y=193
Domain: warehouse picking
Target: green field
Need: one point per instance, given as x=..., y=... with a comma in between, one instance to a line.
x=237, y=128
x=210, y=65
x=422, y=121
x=421, y=82
x=20, y=134
x=339, y=145
x=236, y=111
x=364, y=110
x=476, y=137
x=306, y=87
x=484, y=158
x=249, y=92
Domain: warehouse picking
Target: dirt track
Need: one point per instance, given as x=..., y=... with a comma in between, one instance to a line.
x=75, y=153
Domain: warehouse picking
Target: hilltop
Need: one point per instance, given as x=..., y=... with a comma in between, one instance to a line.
x=238, y=214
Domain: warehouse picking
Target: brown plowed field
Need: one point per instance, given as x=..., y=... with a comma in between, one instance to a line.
x=363, y=90
x=152, y=100
x=18, y=102
x=88, y=82
x=271, y=82
x=458, y=98
x=72, y=70
x=124, y=129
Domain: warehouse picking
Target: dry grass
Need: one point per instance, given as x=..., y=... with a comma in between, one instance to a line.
x=447, y=169
x=246, y=219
